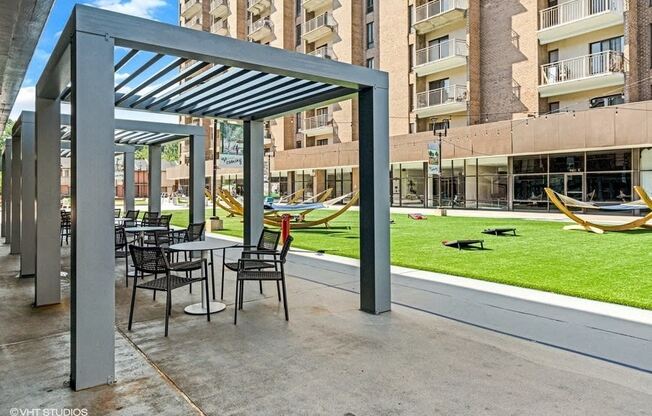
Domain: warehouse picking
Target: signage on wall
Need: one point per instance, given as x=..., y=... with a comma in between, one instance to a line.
x=434, y=166
x=232, y=136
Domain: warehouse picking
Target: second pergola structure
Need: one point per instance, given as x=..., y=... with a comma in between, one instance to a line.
x=220, y=77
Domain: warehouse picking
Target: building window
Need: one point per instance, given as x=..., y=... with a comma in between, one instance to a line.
x=297, y=5
x=370, y=63
x=299, y=145
x=322, y=142
x=410, y=18
x=297, y=35
x=370, y=6
x=370, y=35
x=553, y=108
x=607, y=101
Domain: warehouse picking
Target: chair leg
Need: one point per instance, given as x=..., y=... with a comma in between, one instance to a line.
x=131, y=309
x=208, y=299
x=242, y=287
x=285, y=300
x=278, y=290
x=237, y=291
x=127, y=269
x=167, y=307
x=223, y=261
x=212, y=275
x=260, y=283
x=154, y=294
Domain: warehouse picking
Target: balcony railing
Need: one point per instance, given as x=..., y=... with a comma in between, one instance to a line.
x=575, y=10
x=324, y=19
x=258, y=6
x=323, y=52
x=316, y=122
x=439, y=96
x=189, y=8
x=219, y=8
x=437, y=7
x=194, y=23
x=582, y=67
x=220, y=27
x=453, y=47
x=259, y=25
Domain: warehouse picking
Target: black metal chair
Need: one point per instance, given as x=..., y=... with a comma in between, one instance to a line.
x=133, y=217
x=122, y=249
x=65, y=227
x=160, y=238
x=193, y=232
x=150, y=219
x=268, y=242
x=153, y=260
x=252, y=269
x=116, y=212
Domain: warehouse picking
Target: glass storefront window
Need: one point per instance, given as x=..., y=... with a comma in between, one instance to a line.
x=413, y=184
x=567, y=163
x=529, y=192
x=646, y=169
x=531, y=164
x=609, y=187
x=609, y=161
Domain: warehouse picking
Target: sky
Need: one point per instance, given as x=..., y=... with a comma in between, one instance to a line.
x=161, y=10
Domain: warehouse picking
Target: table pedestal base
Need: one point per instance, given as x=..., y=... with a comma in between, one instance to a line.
x=199, y=309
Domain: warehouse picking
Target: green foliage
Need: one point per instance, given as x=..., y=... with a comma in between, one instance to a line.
x=141, y=153
x=6, y=134
x=609, y=267
x=169, y=152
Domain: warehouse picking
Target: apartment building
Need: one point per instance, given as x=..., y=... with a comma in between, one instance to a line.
x=553, y=90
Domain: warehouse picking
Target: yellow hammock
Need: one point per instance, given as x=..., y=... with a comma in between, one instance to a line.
x=563, y=203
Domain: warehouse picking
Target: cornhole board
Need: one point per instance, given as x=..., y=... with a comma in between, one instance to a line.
x=499, y=231
x=460, y=244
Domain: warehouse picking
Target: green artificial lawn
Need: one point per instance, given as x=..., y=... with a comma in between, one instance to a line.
x=613, y=267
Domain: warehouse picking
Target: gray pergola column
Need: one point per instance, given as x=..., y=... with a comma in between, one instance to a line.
x=154, y=178
x=6, y=191
x=28, y=197
x=92, y=251
x=16, y=172
x=197, y=179
x=254, y=166
x=129, y=181
x=48, y=201
x=375, y=272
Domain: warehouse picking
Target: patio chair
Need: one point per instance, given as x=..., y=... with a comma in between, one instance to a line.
x=65, y=227
x=149, y=260
x=160, y=238
x=268, y=242
x=133, y=216
x=252, y=269
x=193, y=232
x=122, y=250
x=117, y=212
x=150, y=219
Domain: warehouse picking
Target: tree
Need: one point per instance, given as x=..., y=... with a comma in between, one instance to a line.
x=141, y=153
x=169, y=152
x=6, y=134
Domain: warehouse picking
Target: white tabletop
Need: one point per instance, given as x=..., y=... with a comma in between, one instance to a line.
x=201, y=245
x=144, y=229
x=123, y=219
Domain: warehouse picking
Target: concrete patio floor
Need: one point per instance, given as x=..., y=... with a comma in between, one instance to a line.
x=329, y=359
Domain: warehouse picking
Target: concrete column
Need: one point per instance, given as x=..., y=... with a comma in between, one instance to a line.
x=28, y=196
x=154, y=178
x=48, y=201
x=129, y=181
x=6, y=191
x=375, y=275
x=16, y=185
x=254, y=166
x=93, y=256
x=197, y=179
x=319, y=182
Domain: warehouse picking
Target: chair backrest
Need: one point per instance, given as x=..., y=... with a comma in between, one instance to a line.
x=132, y=214
x=195, y=231
x=150, y=218
x=116, y=212
x=120, y=238
x=148, y=259
x=286, y=248
x=268, y=240
x=164, y=220
x=66, y=219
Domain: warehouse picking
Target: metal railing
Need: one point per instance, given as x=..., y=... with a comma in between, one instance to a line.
x=324, y=19
x=445, y=49
x=322, y=120
x=251, y=3
x=259, y=24
x=582, y=67
x=219, y=25
x=217, y=3
x=446, y=95
x=194, y=23
x=323, y=52
x=574, y=10
x=188, y=4
x=436, y=7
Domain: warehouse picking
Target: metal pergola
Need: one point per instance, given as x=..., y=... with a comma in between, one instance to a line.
x=219, y=77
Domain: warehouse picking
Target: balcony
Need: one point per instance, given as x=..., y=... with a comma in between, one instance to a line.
x=219, y=8
x=194, y=23
x=441, y=57
x=438, y=13
x=190, y=8
x=312, y=5
x=318, y=27
x=440, y=101
x=599, y=70
x=260, y=29
x=577, y=17
x=317, y=125
x=220, y=27
x=325, y=52
x=258, y=6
